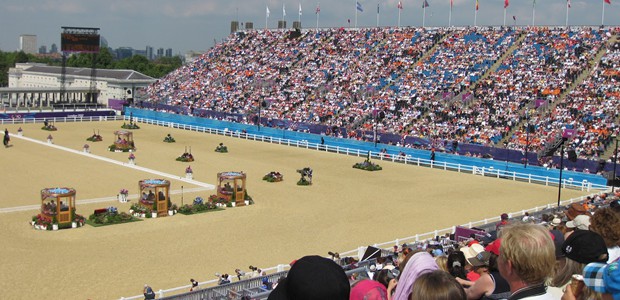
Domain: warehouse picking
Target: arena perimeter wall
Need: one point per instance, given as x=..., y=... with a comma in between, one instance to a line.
x=484, y=164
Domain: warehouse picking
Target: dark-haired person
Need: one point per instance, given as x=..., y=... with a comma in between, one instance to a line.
x=491, y=284
x=148, y=292
x=7, y=138
x=606, y=222
x=456, y=265
x=194, y=285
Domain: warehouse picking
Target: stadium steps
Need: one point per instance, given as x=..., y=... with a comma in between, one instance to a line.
x=516, y=45
x=492, y=69
x=610, y=147
x=562, y=97
x=423, y=58
x=358, y=124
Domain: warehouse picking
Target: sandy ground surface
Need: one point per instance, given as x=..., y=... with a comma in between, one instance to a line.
x=345, y=208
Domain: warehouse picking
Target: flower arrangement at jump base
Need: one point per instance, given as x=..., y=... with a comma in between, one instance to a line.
x=41, y=222
x=186, y=156
x=109, y=216
x=140, y=211
x=273, y=176
x=131, y=125
x=122, y=195
x=78, y=220
x=367, y=165
x=200, y=206
x=96, y=137
x=221, y=148
x=169, y=139
x=48, y=126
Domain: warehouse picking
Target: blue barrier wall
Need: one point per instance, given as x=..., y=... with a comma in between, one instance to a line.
x=364, y=146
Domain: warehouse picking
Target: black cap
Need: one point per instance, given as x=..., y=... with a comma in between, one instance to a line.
x=313, y=277
x=585, y=246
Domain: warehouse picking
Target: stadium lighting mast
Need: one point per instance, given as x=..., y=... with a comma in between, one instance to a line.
x=561, y=168
x=261, y=101
x=527, y=137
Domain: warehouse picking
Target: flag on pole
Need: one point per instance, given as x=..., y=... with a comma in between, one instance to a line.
x=300, y=9
x=268, y=12
x=506, y=3
x=478, y=6
x=568, y=3
x=359, y=7
x=534, y=3
x=514, y=18
x=451, y=3
x=608, y=1
x=425, y=4
x=377, y=8
x=318, y=9
x=400, y=5
x=283, y=10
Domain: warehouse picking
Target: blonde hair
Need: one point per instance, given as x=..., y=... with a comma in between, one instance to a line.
x=530, y=250
x=442, y=262
x=564, y=270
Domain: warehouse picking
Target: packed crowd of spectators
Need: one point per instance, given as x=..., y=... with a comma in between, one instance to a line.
x=581, y=238
x=418, y=82
x=591, y=108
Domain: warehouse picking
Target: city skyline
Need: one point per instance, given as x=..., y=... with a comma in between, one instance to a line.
x=195, y=25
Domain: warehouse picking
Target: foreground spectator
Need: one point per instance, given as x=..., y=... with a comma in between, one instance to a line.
x=490, y=285
x=437, y=285
x=313, y=277
x=368, y=290
x=599, y=281
x=580, y=248
x=606, y=222
x=526, y=260
x=456, y=264
x=418, y=264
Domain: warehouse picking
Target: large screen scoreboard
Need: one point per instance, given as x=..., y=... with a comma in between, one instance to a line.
x=75, y=39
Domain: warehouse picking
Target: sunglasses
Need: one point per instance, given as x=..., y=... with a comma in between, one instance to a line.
x=393, y=274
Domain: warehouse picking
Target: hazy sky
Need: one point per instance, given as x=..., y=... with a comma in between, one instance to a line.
x=194, y=25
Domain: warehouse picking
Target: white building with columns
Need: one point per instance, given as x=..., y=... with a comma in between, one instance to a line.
x=39, y=85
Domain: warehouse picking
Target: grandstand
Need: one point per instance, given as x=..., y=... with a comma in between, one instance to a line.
x=473, y=87
x=465, y=91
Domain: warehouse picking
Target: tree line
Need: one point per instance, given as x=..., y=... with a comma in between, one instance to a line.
x=103, y=60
